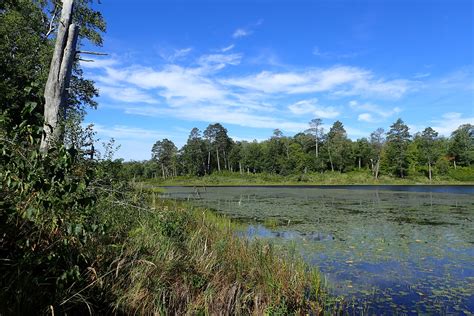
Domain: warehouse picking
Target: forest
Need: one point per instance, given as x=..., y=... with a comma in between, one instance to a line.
x=395, y=153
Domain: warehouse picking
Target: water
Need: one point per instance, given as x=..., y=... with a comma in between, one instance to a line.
x=403, y=249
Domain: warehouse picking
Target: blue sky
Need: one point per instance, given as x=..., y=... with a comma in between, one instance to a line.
x=259, y=65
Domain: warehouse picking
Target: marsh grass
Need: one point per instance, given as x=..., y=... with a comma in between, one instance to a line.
x=180, y=260
x=160, y=257
x=327, y=178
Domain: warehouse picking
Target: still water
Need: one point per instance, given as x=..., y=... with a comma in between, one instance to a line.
x=389, y=249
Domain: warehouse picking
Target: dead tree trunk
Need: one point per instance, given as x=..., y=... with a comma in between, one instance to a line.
x=429, y=169
x=218, y=160
x=209, y=162
x=330, y=159
x=377, y=168
x=55, y=92
x=317, y=148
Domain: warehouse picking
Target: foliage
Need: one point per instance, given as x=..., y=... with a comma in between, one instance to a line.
x=164, y=154
x=462, y=145
x=399, y=155
x=395, y=157
x=462, y=174
x=27, y=30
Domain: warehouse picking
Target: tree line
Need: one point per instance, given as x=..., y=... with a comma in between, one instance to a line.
x=395, y=152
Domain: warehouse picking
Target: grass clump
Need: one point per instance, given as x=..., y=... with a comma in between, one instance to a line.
x=190, y=261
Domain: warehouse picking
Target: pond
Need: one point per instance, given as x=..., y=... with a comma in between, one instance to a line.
x=403, y=249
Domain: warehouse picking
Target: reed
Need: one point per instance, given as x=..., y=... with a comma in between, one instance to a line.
x=181, y=260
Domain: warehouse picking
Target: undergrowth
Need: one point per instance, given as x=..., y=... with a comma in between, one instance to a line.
x=190, y=261
x=76, y=240
x=363, y=177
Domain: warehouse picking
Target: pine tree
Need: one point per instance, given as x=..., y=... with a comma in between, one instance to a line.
x=398, y=138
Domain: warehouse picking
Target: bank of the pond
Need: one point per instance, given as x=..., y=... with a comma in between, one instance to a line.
x=162, y=257
x=185, y=260
x=327, y=178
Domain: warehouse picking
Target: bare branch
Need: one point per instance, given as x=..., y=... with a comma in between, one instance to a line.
x=51, y=27
x=91, y=53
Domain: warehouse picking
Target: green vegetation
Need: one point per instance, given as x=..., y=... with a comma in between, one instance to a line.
x=194, y=263
x=460, y=176
x=76, y=238
x=313, y=157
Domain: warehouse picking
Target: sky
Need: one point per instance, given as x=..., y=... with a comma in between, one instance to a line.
x=255, y=66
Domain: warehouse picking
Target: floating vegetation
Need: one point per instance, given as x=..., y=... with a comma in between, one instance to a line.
x=410, y=252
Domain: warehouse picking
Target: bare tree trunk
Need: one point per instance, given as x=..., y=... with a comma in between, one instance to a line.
x=209, y=162
x=317, y=148
x=240, y=167
x=226, y=166
x=55, y=92
x=429, y=169
x=330, y=159
x=377, y=167
x=359, y=163
x=454, y=161
x=163, y=171
x=218, y=161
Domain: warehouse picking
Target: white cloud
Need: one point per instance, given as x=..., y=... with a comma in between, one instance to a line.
x=174, y=54
x=460, y=79
x=240, y=32
x=246, y=31
x=420, y=75
x=311, y=106
x=200, y=92
x=325, y=54
x=302, y=107
x=339, y=80
x=373, y=113
x=449, y=122
x=227, y=48
x=126, y=94
x=135, y=143
x=174, y=83
x=225, y=115
x=219, y=61
x=365, y=117
x=128, y=132
x=98, y=63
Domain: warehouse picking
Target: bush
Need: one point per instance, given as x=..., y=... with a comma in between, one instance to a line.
x=462, y=174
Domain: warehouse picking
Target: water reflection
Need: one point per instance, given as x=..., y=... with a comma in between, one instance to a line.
x=402, y=250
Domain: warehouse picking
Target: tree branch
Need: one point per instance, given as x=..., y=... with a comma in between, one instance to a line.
x=51, y=27
x=91, y=53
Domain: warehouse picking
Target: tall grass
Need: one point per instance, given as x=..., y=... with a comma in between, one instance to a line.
x=150, y=257
x=179, y=260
